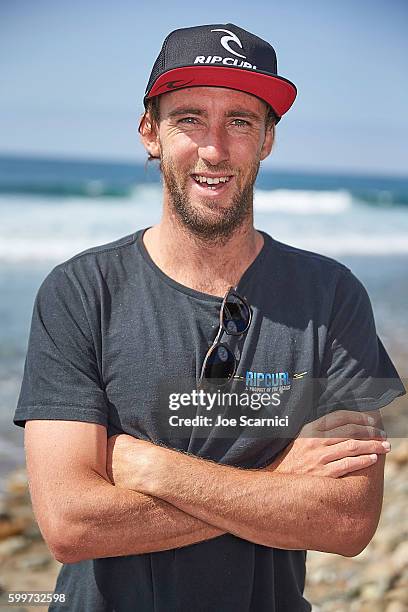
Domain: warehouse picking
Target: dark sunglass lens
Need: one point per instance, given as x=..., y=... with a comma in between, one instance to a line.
x=235, y=315
x=220, y=364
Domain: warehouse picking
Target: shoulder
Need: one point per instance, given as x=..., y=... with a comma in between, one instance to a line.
x=103, y=251
x=308, y=259
x=85, y=270
x=312, y=274
x=99, y=255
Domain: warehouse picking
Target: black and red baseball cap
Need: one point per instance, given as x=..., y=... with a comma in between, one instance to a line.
x=220, y=55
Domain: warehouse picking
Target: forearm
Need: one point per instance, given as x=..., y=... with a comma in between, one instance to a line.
x=277, y=510
x=102, y=520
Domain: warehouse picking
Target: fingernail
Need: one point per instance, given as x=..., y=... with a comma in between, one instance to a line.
x=371, y=421
x=373, y=458
x=383, y=434
x=386, y=445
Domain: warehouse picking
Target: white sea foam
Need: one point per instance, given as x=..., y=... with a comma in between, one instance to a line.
x=36, y=229
x=351, y=244
x=293, y=202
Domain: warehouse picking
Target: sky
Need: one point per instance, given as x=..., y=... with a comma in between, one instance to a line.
x=73, y=75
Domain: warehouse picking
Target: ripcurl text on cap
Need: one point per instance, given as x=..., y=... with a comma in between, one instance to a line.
x=220, y=55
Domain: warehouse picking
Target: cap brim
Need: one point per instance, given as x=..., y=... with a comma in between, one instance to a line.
x=277, y=91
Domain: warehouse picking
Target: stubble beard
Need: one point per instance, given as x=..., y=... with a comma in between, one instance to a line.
x=211, y=228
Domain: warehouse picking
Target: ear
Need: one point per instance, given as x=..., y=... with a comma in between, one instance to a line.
x=268, y=142
x=149, y=136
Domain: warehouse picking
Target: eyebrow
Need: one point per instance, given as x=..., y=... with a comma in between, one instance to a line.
x=184, y=110
x=243, y=113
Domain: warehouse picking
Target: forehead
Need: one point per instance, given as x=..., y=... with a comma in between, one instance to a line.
x=208, y=98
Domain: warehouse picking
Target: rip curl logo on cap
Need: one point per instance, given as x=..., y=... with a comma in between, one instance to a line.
x=175, y=84
x=225, y=40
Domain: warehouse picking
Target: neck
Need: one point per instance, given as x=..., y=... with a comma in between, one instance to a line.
x=198, y=263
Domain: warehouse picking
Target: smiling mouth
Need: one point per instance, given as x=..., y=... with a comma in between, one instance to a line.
x=211, y=182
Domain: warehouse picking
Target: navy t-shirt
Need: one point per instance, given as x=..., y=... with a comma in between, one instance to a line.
x=111, y=333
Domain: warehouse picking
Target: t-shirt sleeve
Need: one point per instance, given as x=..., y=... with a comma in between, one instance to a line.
x=61, y=376
x=356, y=371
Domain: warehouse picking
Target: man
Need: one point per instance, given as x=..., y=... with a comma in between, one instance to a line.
x=149, y=515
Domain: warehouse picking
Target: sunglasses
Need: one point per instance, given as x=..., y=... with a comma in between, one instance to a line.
x=220, y=364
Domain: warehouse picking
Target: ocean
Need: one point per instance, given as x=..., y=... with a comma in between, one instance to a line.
x=53, y=209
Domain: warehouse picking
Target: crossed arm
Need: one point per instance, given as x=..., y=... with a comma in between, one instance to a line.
x=164, y=499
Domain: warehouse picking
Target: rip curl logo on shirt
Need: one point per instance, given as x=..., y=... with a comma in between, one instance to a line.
x=299, y=375
x=267, y=381
x=225, y=40
x=272, y=382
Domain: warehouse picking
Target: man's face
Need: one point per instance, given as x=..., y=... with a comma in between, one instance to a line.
x=211, y=141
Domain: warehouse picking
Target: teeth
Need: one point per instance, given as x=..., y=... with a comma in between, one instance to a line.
x=211, y=180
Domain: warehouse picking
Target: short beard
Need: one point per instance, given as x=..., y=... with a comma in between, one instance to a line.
x=217, y=230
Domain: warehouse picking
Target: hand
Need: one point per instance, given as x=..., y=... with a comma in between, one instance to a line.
x=334, y=445
x=132, y=463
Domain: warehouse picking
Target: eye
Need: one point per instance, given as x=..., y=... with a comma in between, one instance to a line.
x=188, y=120
x=241, y=122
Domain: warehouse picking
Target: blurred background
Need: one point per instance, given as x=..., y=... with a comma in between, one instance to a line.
x=73, y=175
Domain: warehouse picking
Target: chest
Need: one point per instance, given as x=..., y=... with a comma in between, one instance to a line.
x=155, y=347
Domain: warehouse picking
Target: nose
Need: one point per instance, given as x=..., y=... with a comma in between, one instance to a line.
x=214, y=146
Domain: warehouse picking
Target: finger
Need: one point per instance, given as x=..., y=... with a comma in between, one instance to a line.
x=339, y=418
x=356, y=432
x=375, y=417
x=354, y=448
x=347, y=465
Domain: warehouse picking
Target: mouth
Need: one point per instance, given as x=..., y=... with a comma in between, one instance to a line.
x=212, y=184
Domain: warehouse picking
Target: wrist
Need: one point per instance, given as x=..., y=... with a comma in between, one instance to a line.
x=150, y=468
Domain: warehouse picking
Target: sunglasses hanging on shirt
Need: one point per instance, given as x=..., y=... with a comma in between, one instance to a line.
x=220, y=363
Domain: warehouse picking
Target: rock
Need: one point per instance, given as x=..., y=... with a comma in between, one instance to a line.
x=35, y=562
x=401, y=487
x=392, y=513
x=4, y=513
x=336, y=605
x=322, y=575
x=399, y=594
x=353, y=592
x=400, y=454
x=385, y=540
x=372, y=572
x=396, y=606
x=366, y=606
x=402, y=579
x=23, y=511
x=17, y=483
x=372, y=591
x=32, y=532
x=400, y=556
x=12, y=545
x=369, y=553
x=10, y=527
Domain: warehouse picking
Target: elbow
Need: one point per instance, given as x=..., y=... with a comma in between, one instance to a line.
x=351, y=549
x=65, y=544
x=65, y=552
x=356, y=536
